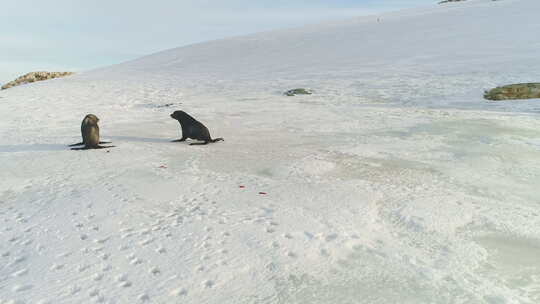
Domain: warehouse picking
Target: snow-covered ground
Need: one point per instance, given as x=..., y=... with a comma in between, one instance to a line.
x=394, y=183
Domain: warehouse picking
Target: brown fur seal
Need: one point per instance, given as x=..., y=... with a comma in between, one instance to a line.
x=191, y=128
x=90, y=134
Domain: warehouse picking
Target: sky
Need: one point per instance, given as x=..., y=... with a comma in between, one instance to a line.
x=78, y=35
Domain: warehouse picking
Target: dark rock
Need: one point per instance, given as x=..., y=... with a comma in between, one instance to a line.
x=514, y=91
x=446, y=1
x=298, y=91
x=33, y=77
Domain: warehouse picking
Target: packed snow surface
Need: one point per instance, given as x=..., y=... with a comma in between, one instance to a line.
x=395, y=182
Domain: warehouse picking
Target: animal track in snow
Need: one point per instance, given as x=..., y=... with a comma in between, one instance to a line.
x=155, y=271
x=83, y=268
x=101, y=241
x=324, y=252
x=123, y=247
x=146, y=242
x=143, y=297
x=125, y=284
x=20, y=273
x=331, y=237
x=19, y=288
x=309, y=235
x=126, y=235
x=290, y=254
x=26, y=242
x=204, y=257
x=93, y=293
x=145, y=231
x=17, y=260
x=135, y=261
x=123, y=280
x=56, y=266
x=73, y=290
x=179, y=292
x=97, y=277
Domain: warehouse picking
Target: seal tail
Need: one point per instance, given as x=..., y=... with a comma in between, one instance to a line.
x=217, y=139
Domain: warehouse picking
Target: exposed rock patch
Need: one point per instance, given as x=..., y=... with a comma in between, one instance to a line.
x=33, y=77
x=514, y=91
x=447, y=1
x=298, y=91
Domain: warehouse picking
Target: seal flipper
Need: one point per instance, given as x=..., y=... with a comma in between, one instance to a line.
x=90, y=148
x=179, y=140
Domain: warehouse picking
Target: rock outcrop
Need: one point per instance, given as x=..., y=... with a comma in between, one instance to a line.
x=514, y=91
x=446, y=1
x=299, y=91
x=33, y=77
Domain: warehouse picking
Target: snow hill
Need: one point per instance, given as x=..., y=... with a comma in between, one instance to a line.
x=395, y=182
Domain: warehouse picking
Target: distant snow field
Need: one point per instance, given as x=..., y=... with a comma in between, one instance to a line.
x=395, y=182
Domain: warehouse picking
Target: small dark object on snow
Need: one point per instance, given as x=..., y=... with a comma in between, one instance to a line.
x=299, y=91
x=514, y=91
x=447, y=1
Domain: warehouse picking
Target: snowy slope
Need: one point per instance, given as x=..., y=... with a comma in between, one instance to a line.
x=394, y=183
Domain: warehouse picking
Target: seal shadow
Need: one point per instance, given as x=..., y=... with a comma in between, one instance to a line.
x=137, y=139
x=65, y=147
x=32, y=148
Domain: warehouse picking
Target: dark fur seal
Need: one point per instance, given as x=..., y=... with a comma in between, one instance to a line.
x=90, y=134
x=191, y=128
